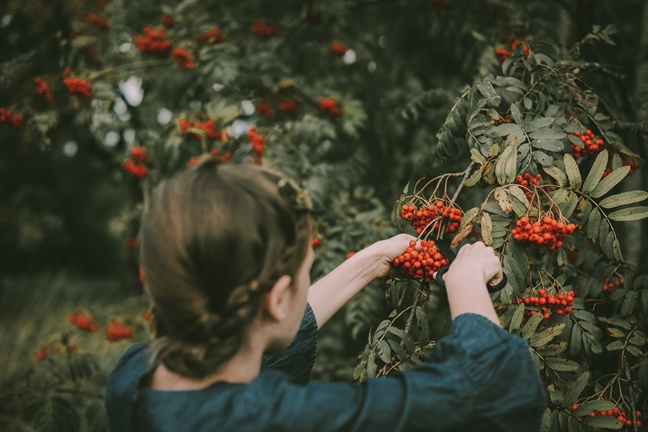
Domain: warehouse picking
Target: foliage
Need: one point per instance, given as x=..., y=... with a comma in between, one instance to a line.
x=342, y=100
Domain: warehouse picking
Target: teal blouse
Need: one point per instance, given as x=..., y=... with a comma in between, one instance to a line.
x=478, y=378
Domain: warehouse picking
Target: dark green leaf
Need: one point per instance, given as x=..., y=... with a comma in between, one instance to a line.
x=624, y=198
x=573, y=172
x=612, y=179
x=630, y=214
x=596, y=172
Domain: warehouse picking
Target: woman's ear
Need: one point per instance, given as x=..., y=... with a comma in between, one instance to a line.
x=276, y=301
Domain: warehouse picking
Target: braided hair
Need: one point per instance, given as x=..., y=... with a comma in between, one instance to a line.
x=213, y=240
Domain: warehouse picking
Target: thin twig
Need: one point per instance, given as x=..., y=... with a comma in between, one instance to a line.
x=131, y=66
x=633, y=410
x=463, y=181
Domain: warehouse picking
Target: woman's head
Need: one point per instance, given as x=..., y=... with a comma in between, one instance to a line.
x=214, y=242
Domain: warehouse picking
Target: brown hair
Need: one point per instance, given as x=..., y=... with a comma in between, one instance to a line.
x=214, y=239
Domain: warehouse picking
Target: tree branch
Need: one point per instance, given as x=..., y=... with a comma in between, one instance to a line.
x=633, y=410
x=463, y=181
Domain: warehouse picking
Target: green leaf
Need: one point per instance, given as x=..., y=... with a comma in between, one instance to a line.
x=561, y=365
x=424, y=329
x=630, y=214
x=634, y=351
x=468, y=217
x=612, y=179
x=400, y=352
x=593, y=224
x=551, y=145
x=574, y=390
x=542, y=158
x=548, y=133
x=547, y=335
x=629, y=302
x=477, y=157
x=475, y=177
x=505, y=169
x=487, y=228
x=603, y=422
x=516, y=321
x=539, y=123
x=596, y=172
x=590, y=407
x=531, y=326
x=573, y=173
x=624, y=198
x=576, y=340
x=384, y=351
x=515, y=112
x=557, y=174
x=616, y=345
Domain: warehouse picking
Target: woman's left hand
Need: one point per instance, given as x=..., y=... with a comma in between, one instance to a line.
x=385, y=251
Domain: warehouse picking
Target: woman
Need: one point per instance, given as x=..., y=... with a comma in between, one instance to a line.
x=226, y=253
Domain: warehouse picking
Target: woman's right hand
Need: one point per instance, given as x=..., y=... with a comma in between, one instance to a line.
x=466, y=279
x=476, y=257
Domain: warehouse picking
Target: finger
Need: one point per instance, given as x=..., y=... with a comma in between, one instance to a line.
x=497, y=279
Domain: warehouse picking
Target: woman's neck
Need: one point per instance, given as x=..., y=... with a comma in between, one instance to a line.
x=243, y=368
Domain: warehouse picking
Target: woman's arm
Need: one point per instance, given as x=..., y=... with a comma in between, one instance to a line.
x=330, y=293
x=466, y=280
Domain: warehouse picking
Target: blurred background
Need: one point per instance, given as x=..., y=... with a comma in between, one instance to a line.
x=69, y=210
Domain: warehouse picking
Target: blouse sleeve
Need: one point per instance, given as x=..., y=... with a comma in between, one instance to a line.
x=479, y=378
x=298, y=359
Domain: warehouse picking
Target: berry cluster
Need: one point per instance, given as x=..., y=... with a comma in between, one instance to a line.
x=99, y=22
x=257, y=141
x=499, y=120
x=527, y=178
x=183, y=58
x=420, y=218
x=135, y=166
x=634, y=166
x=548, y=232
x=77, y=86
x=591, y=143
x=6, y=116
x=560, y=304
x=224, y=158
x=502, y=53
x=620, y=414
x=329, y=105
x=609, y=286
x=262, y=29
x=131, y=243
x=42, y=88
x=421, y=264
x=263, y=108
x=154, y=41
x=117, y=331
x=286, y=105
x=41, y=354
x=316, y=242
x=338, y=48
x=167, y=21
x=83, y=322
x=207, y=126
x=212, y=37
x=55, y=350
